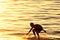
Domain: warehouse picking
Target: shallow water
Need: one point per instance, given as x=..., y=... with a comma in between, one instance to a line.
x=15, y=15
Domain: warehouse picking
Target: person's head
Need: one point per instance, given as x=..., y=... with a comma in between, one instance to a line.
x=31, y=24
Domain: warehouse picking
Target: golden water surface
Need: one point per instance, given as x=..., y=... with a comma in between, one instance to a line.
x=15, y=16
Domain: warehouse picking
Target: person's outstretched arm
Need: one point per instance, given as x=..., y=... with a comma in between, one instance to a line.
x=44, y=31
x=29, y=31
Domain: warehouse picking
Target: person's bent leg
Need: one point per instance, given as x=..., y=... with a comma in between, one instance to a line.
x=38, y=35
x=34, y=32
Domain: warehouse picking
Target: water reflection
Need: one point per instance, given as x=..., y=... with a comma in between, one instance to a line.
x=17, y=14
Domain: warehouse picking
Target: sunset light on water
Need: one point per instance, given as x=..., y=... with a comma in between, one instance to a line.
x=16, y=16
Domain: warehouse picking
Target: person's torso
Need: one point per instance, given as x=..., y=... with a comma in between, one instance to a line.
x=38, y=27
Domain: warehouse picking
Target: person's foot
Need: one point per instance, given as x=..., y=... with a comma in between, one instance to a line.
x=38, y=38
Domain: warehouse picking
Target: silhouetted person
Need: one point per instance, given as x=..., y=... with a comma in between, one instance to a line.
x=36, y=28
